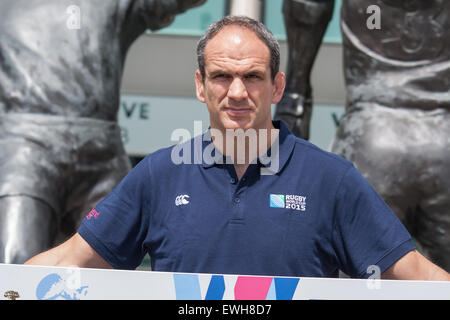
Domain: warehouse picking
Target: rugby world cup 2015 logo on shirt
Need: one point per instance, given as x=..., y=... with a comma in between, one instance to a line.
x=288, y=201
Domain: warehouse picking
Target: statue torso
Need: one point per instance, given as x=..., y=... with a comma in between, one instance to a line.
x=405, y=63
x=47, y=67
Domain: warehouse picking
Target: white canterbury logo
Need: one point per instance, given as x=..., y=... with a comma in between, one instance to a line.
x=181, y=199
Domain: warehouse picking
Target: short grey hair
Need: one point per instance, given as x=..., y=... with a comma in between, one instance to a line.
x=257, y=27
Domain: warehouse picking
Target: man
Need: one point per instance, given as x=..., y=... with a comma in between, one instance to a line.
x=61, y=63
x=312, y=216
x=397, y=124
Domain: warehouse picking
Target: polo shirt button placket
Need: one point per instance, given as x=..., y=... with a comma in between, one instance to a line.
x=238, y=213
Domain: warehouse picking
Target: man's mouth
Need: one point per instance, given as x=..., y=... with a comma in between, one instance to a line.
x=238, y=111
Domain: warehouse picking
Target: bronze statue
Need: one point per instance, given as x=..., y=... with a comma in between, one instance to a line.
x=60, y=148
x=396, y=129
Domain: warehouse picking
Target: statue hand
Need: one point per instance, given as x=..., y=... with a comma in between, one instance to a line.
x=188, y=4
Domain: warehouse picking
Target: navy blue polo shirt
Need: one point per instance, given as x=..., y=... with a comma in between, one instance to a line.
x=313, y=215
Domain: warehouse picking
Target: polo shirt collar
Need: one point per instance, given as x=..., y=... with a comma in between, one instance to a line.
x=274, y=160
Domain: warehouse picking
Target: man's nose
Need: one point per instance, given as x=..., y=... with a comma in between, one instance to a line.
x=237, y=90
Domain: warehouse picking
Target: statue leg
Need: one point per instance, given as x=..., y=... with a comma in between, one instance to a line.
x=433, y=226
x=368, y=137
x=404, y=155
x=433, y=217
x=306, y=22
x=27, y=227
x=100, y=163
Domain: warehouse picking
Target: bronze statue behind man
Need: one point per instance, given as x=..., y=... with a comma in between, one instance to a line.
x=396, y=129
x=60, y=144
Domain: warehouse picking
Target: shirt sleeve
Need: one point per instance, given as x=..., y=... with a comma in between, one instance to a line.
x=117, y=227
x=366, y=232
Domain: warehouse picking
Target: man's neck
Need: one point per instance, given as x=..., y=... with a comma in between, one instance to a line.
x=245, y=146
x=240, y=170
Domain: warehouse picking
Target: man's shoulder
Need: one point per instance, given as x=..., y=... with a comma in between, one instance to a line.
x=173, y=157
x=315, y=164
x=314, y=152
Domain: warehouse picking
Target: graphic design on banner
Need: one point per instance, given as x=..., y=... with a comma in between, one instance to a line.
x=271, y=294
x=187, y=287
x=252, y=288
x=216, y=288
x=285, y=288
x=54, y=287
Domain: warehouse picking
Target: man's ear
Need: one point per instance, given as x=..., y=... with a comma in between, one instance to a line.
x=199, y=86
x=279, y=85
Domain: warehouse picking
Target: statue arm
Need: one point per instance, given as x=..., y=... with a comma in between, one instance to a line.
x=153, y=15
x=306, y=22
x=161, y=13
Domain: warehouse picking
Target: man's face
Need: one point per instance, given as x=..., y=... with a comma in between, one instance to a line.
x=238, y=89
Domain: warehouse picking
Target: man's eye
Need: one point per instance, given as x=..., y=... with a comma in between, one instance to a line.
x=220, y=76
x=252, y=76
